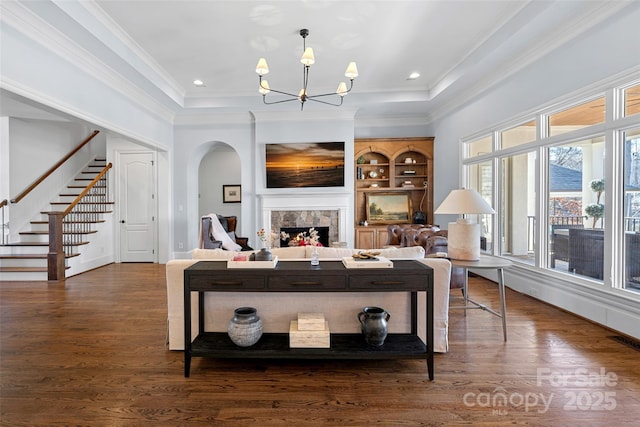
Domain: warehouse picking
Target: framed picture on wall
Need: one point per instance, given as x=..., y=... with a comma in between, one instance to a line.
x=388, y=208
x=231, y=194
x=300, y=165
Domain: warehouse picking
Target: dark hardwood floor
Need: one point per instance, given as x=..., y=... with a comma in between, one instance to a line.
x=91, y=352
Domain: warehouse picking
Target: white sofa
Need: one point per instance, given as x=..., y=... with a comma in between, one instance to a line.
x=277, y=309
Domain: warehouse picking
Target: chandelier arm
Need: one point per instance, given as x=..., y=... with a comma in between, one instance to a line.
x=332, y=93
x=283, y=93
x=325, y=102
x=264, y=100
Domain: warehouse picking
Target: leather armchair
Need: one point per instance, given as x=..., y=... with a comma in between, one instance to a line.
x=435, y=240
x=395, y=233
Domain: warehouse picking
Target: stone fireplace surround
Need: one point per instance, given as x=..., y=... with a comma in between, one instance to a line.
x=306, y=211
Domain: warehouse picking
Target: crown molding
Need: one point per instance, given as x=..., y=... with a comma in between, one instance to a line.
x=27, y=23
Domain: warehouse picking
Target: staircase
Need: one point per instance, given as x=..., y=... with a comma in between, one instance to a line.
x=27, y=259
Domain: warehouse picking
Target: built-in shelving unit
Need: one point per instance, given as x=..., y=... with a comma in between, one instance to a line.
x=391, y=165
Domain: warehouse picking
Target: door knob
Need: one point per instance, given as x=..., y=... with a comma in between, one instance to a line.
x=122, y=221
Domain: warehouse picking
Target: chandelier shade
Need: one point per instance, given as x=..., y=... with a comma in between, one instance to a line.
x=303, y=96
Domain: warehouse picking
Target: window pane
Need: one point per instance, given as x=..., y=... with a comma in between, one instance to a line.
x=632, y=209
x=520, y=134
x=480, y=146
x=518, y=207
x=632, y=100
x=480, y=178
x=577, y=117
x=576, y=208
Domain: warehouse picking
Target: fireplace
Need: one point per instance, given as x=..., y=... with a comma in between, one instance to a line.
x=330, y=211
x=323, y=234
x=300, y=221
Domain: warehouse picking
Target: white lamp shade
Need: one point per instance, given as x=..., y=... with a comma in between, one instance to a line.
x=262, y=68
x=463, y=236
x=464, y=201
x=264, y=87
x=307, y=57
x=342, y=89
x=352, y=71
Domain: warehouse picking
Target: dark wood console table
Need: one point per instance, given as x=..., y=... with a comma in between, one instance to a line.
x=300, y=276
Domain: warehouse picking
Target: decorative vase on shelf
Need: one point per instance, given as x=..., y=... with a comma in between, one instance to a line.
x=245, y=327
x=373, y=321
x=264, y=255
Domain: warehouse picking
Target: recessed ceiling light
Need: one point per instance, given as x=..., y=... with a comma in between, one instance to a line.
x=198, y=82
x=413, y=76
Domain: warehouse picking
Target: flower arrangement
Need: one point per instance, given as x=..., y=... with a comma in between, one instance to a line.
x=302, y=239
x=262, y=234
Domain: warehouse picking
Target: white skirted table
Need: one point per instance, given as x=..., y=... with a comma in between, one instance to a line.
x=485, y=262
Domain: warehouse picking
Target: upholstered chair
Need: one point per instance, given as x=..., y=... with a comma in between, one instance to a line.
x=229, y=224
x=395, y=233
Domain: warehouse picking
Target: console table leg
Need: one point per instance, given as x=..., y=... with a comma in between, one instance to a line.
x=503, y=304
x=187, y=364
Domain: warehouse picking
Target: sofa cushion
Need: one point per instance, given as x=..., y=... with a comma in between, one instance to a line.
x=293, y=252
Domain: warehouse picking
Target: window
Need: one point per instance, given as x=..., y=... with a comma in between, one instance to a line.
x=632, y=100
x=518, y=135
x=576, y=208
x=577, y=117
x=551, y=191
x=480, y=146
x=481, y=180
x=631, y=209
x=517, y=207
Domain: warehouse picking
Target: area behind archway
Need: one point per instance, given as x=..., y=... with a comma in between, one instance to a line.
x=219, y=166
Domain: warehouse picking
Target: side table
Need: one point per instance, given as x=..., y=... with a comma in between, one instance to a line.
x=485, y=262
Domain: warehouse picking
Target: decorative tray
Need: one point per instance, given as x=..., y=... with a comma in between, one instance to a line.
x=253, y=264
x=378, y=262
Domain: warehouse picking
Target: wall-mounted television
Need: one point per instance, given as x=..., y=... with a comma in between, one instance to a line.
x=301, y=165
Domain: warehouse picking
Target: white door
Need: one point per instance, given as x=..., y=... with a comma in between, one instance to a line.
x=137, y=207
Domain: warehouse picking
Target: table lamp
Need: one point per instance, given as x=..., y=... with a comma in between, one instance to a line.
x=463, y=235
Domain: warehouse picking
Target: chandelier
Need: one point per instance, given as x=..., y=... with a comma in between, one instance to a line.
x=303, y=96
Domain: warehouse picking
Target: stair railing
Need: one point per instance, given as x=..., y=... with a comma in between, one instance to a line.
x=53, y=168
x=67, y=228
x=3, y=203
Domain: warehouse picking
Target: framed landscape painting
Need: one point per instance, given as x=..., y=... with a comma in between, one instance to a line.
x=388, y=208
x=300, y=165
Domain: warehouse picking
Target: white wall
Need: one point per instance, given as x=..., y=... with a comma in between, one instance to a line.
x=34, y=146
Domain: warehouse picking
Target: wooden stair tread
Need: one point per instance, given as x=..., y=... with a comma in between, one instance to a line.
x=18, y=244
x=76, y=194
x=96, y=221
x=32, y=256
x=25, y=244
x=83, y=203
x=44, y=233
x=25, y=269
x=92, y=212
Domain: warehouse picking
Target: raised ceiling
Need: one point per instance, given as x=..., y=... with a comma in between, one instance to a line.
x=460, y=48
